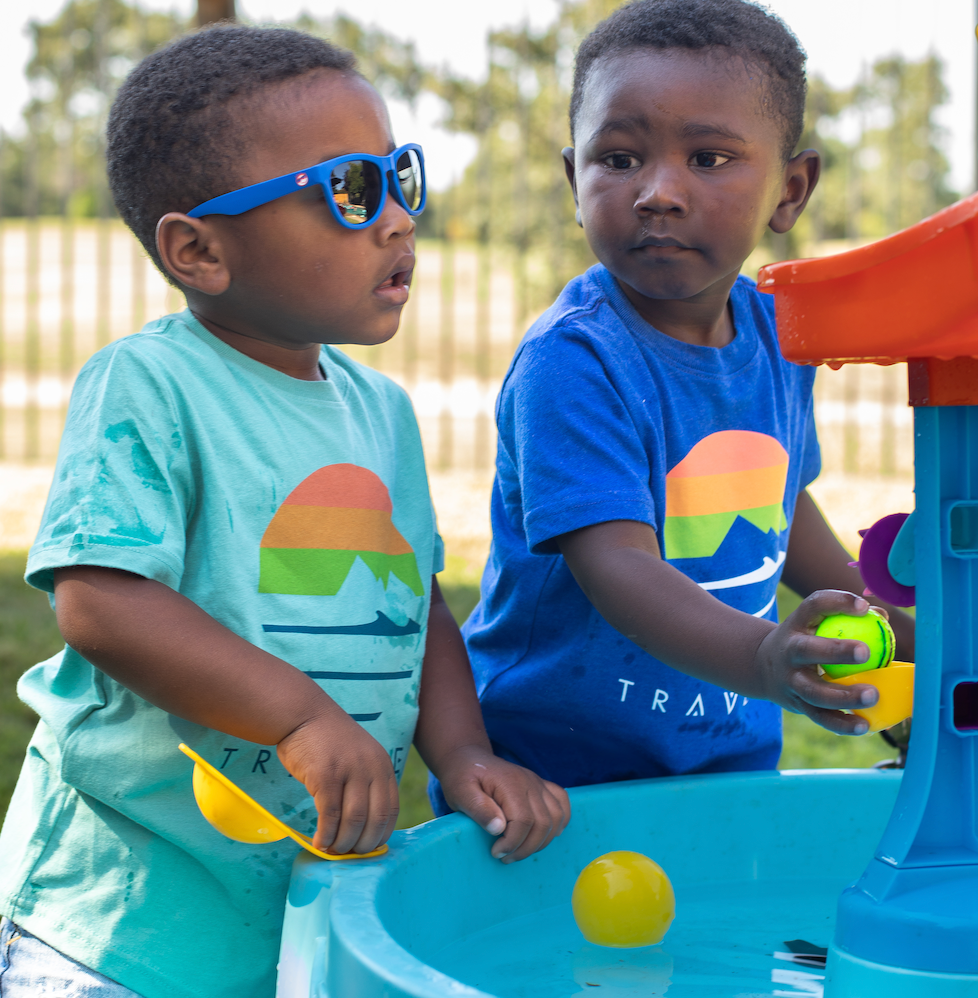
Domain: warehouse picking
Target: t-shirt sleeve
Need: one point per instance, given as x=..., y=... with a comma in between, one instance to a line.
x=572, y=443
x=438, y=555
x=120, y=494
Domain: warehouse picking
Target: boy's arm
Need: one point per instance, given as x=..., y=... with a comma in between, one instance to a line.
x=505, y=799
x=167, y=650
x=619, y=567
x=816, y=560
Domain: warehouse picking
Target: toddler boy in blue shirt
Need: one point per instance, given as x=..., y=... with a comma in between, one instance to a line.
x=240, y=544
x=654, y=446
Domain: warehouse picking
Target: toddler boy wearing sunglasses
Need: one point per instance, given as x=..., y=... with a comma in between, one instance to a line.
x=654, y=446
x=240, y=544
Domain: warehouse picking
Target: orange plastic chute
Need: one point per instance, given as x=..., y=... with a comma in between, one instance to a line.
x=911, y=295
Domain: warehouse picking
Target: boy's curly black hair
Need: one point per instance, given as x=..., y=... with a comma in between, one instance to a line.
x=746, y=29
x=172, y=137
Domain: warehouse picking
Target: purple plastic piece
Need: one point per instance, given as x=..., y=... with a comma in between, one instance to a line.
x=873, y=554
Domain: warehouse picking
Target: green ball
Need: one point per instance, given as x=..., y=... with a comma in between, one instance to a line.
x=873, y=629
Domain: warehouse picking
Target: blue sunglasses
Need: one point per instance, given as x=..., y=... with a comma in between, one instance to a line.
x=355, y=187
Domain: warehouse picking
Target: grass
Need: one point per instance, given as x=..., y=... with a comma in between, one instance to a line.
x=28, y=634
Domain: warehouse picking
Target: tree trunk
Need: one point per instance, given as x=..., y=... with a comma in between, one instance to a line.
x=209, y=11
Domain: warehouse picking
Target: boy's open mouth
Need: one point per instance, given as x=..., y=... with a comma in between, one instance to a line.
x=396, y=287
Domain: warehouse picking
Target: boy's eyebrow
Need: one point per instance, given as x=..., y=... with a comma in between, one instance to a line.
x=691, y=129
x=322, y=159
x=633, y=123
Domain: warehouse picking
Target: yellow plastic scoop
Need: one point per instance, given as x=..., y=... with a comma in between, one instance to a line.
x=234, y=814
x=895, y=685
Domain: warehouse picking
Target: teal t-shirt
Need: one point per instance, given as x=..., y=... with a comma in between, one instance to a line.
x=297, y=514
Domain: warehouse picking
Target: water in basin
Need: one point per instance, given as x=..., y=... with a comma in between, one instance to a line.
x=756, y=860
x=721, y=945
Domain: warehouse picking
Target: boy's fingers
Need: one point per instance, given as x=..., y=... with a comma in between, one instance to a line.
x=540, y=833
x=530, y=827
x=557, y=805
x=329, y=810
x=526, y=817
x=518, y=827
x=808, y=649
x=535, y=820
x=824, y=603
x=560, y=807
x=484, y=811
x=517, y=806
x=831, y=696
x=356, y=808
x=395, y=812
x=381, y=817
x=841, y=724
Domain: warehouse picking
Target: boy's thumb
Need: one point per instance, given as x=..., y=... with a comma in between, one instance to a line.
x=485, y=812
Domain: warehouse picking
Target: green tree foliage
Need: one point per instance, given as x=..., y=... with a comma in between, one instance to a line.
x=882, y=162
x=389, y=63
x=515, y=194
x=883, y=167
x=78, y=61
x=356, y=183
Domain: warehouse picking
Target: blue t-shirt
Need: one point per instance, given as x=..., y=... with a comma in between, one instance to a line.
x=601, y=417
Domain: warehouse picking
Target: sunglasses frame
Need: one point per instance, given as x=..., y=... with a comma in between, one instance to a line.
x=245, y=198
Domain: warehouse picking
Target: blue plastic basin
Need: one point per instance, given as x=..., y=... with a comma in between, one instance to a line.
x=756, y=860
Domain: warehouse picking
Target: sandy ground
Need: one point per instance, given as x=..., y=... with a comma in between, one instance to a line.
x=851, y=502
x=462, y=501
x=23, y=490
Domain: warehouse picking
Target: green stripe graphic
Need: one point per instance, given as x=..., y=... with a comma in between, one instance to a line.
x=701, y=536
x=322, y=571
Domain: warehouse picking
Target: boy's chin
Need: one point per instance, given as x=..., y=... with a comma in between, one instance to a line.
x=666, y=287
x=672, y=281
x=372, y=338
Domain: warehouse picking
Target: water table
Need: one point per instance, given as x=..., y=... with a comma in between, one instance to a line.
x=881, y=871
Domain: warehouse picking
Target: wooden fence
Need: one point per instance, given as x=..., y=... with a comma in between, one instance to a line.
x=69, y=287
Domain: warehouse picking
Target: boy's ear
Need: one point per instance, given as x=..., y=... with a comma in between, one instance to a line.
x=191, y=251
x=800, y=177
x=568, y=153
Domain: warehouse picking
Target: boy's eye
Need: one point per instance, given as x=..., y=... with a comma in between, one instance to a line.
x=709, y=159
x=621, y=161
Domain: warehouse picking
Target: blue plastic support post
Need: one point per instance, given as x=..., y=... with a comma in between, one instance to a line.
x=909, y=927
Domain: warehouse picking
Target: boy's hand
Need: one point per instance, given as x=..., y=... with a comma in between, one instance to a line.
x=787, y=659
x=350, y=777
x=526, y=812
x=167, y=650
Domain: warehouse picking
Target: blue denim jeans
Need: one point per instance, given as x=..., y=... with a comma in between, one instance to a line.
x=30, y=968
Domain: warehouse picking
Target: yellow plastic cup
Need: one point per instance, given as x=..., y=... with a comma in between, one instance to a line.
x=240, y=817
x=895, y=685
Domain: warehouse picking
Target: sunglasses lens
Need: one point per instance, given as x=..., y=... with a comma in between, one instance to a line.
x=356, y=190
x=411, y=178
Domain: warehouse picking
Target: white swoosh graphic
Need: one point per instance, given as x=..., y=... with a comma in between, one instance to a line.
x=763, y=610
x=758, y=575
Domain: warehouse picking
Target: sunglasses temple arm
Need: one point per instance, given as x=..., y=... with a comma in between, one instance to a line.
x=238, y=202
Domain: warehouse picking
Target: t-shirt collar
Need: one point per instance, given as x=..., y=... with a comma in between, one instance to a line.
x=710, y=360
x=330, y=391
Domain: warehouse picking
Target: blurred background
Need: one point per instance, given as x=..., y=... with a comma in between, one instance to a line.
x=485, y=89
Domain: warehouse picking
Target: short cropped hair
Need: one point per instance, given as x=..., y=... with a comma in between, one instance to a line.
x=746, y=29
x=172, y=137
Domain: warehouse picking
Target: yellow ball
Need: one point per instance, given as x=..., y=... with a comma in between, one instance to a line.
x=623, y=899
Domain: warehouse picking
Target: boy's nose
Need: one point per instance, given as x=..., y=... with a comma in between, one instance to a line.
x=394, y=221
x=662, y=193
